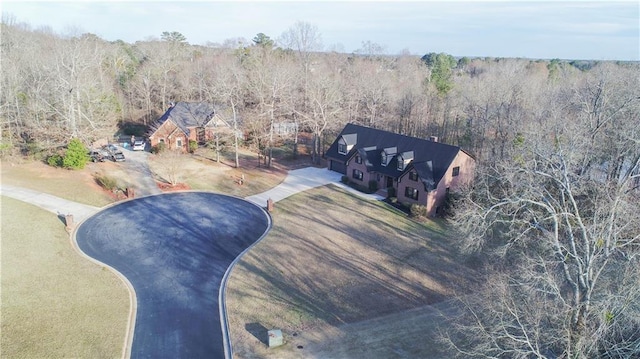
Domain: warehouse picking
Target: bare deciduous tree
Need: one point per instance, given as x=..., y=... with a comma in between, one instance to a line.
x=564, y=240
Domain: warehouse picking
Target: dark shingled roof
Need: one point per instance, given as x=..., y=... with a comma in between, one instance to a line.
x=430, y=159
x=189, y=114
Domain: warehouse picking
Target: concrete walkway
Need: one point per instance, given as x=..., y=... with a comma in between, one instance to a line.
x=302, y=180
x=295, y=182
x=57, y=205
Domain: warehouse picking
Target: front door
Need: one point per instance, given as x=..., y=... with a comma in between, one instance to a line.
x=389, y=181
x=200, y=136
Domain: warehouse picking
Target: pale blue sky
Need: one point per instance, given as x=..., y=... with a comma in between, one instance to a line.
x=597, y=30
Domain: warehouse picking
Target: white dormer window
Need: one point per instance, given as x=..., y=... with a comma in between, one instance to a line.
x=346, y=143
x=342, y=148
x=404, y=159
x=387, y=155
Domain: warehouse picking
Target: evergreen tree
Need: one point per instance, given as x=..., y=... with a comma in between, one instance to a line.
x=76, y=155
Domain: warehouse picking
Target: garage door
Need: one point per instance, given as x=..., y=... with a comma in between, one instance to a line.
x=338, y=167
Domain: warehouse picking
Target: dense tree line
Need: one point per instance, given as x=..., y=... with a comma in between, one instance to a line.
x=555, y=205
x=57, y=87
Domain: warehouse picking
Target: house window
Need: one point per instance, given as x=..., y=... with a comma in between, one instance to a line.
x=179, y=143
x=162, y=140
x=358, y=159
x=413, y=176
x=456, y=171
x=400, y=164
x=411, y=192
x=357, y=174
x=342, y=148
x=384, y=158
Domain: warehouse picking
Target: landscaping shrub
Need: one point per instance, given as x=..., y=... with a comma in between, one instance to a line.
x=106, y=182
x=55, y=160
x=33, y=150
x=418, y=211
x=5, y=149
x=193, y=146
x=391, y=192
x=360, y=187
x=344, y=179
x=76, y=155
x=159, y=148
x=373, y=186
x=448, y=207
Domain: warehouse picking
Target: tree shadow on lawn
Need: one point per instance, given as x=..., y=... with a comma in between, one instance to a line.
x=337, y=286
x=345, y=267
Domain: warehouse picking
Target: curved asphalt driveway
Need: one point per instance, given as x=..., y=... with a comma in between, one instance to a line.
x=175, y=249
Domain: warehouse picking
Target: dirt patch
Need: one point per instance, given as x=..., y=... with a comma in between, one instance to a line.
x=168, y=187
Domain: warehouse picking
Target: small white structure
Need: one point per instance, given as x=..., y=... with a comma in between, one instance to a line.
x=275, y=338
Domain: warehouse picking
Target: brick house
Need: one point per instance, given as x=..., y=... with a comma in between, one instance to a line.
x=187, y=121
x=419, y=171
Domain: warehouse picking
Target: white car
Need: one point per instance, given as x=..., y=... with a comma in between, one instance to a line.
x=138, y=145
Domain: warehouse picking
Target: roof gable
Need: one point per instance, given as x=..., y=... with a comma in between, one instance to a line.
x=350, y=139
x=425, y=173
x=187, y=115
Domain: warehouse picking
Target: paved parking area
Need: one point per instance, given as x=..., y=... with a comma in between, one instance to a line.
x=174, y=249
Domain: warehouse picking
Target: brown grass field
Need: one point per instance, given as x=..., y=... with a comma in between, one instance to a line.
x=342, y=277
x=55, y=304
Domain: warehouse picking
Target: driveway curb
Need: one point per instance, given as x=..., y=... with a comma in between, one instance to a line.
x=222, y=295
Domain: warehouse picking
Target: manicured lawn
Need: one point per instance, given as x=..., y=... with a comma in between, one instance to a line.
x=78, y=185
x=55, y=303
x=202, y=172
x=333, y=260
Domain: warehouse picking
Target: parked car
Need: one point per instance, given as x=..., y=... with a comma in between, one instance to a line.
x=111, y=148
x=98, y=155
x=138, y=145
x=114, y=153
x=118, y=157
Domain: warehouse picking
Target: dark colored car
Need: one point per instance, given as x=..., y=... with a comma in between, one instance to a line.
x=114, y=153
x=118, y=157
x=97, y=155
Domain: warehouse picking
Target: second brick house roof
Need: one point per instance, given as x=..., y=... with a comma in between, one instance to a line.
x=188, y=115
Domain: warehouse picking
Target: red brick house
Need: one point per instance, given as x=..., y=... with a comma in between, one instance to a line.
x=420, y=171
x=187, y=121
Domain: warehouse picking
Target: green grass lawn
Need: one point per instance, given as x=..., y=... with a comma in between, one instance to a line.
x=55, y=303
